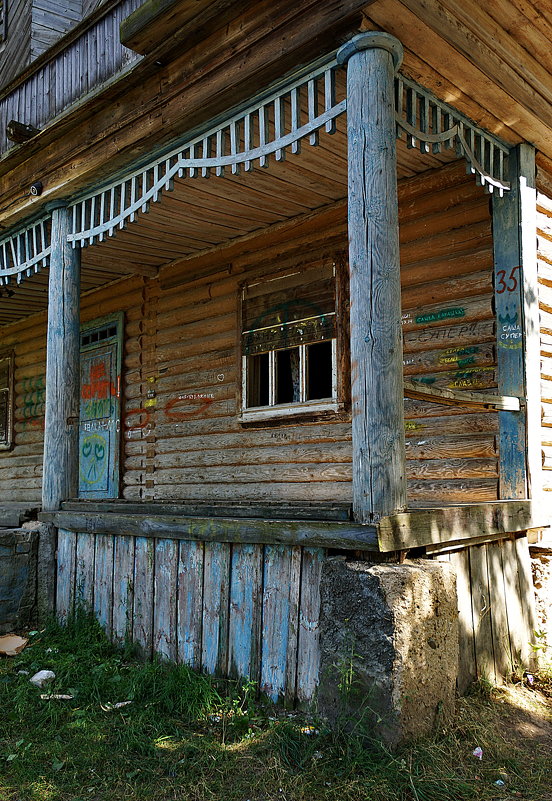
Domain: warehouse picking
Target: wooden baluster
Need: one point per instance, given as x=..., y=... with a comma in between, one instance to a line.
x=312, y=93
x=295, y=117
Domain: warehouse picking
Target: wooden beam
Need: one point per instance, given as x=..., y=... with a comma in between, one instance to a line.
x=310, y=533
x=518, y=343
x=268, y=511
x=457, y=524
x=60, y=474
x=155, y=21
x=379, y=475
x=457, y=397
x=18, y=132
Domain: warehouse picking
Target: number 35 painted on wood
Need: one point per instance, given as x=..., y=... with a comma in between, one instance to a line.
x=512, y=281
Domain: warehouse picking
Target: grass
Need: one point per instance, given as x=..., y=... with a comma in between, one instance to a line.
x=187, y=736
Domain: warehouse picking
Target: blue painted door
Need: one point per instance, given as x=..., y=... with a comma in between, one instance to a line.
x=99, y=425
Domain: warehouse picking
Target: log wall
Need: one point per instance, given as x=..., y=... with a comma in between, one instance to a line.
x=181, y=435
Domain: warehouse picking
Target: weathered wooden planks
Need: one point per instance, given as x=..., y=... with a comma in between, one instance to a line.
x=60, y=466
x=65, y=573
x=246, y=611
x=144, y=562
x=379, y=478
x=190, y=602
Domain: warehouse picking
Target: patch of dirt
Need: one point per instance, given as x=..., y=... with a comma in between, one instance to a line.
x=527, y=717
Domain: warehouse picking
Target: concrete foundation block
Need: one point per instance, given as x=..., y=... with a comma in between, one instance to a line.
x=18, y=578
x=388, y=646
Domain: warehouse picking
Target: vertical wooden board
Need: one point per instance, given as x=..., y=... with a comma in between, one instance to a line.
x=123, y=588
x=103, y=580
x=527, y=599
x=84, y=573
x=65, y=574
x=481, y=611
x=244, y=624
x=467, y=668
x=282, y=566
x=216, y=579
x=308, y=651
x=164, y=605
x=499, y=614
x=144, y=561
x=190, y=602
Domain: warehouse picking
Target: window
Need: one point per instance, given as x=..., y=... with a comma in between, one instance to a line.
x=289, y=345
x=6, y=400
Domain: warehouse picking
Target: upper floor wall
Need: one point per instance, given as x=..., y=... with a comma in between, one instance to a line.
x=54, y=55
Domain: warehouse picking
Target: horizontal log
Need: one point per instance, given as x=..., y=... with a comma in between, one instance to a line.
x=318, y=534
x=457, y=523
x=474, y=400
x=300, y=510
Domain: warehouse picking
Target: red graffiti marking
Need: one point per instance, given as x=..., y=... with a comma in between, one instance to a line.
x=512, y=284
x=100, y=386
x=169, y=410
x=184, y=415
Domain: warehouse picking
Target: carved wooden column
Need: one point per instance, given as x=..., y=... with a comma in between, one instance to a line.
x=60, y=476
x=379, y=481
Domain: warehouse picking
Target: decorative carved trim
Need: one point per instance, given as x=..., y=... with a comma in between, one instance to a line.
x=275, y=122
x=432, y=125
x=266, y=128
x=25, y=252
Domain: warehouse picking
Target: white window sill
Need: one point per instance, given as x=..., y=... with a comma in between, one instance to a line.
x=286, y=410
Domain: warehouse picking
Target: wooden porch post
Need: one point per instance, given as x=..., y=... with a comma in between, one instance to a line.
x=379, y=481
x=518, y=333
x=60, y=475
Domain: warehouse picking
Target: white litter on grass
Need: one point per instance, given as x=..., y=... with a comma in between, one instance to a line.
x=478, y=752
x=110, y=707
x=55, y=697
x=42, y=677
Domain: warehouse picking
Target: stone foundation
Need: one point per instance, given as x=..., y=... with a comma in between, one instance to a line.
x=541, y=565
x=18, y=578
x=389, y=646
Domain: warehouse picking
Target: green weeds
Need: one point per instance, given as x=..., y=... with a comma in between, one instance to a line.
x=190, y=737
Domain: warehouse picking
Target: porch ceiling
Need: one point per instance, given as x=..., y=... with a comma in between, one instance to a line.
x=201, y=213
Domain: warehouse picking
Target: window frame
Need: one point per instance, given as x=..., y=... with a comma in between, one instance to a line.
x=8, y=443
x=338, y=406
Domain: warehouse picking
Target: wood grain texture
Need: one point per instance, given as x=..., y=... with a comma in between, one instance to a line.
x=144, y=568
x=103, y=581
x=216, y=579
x=164, y=609
x=481, y=611
x=379, y=480
x=281, y=585
x=467, y=668
x=62, y=392
x=123, y=588
x=65, y=574
x=84, y=572
x=309, y=633
x=190, y=603
x=244, y=624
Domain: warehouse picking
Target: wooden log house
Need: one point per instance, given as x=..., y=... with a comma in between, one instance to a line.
x=270, y=282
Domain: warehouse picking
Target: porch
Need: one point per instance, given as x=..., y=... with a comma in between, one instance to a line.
x=235, y=587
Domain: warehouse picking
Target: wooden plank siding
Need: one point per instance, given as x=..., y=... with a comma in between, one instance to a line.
x=544, y=249
x=56, y=82
x=251, y=610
